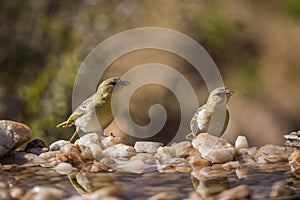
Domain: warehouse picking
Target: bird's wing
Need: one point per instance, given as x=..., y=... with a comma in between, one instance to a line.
x=194, y=125
x=87, y=105
x=81, y=110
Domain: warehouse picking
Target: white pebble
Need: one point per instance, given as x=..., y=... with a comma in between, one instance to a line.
x=214, y=149
x=64, y=168
x=39, y=192
x=56, y=146
x=119, y=150
x=241, y=142
x=181, y=147
x=147, y=147
x=164, y=154
x=134, y=166
x=92, y=141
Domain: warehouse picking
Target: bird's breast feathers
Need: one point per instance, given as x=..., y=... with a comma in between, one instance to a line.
x=203, y=117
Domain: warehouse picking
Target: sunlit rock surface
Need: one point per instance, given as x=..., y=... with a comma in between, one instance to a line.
x=39, y=192
x=241, y=142
x=270, y=153
x=164, y=154
x=147, y=147
x=293, y=139
x=12, y=136
x=279, y=189
x=239, y=192
x=113, y=140
x=91, y=141
x=208, y=163
x=55, y=146
x=119, y=150
x=216, y=150
x=181, y=148
x=295, y=162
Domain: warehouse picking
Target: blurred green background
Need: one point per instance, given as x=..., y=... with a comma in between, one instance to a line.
x=255, y=44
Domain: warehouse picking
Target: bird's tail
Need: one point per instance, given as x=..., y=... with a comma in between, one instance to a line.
x=63, y=124
x=190, y=136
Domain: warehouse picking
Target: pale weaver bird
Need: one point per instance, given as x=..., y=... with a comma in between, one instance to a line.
x=96, y=110
x=215, y=108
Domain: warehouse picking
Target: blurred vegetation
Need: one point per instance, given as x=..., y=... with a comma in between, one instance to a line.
x=255, y=44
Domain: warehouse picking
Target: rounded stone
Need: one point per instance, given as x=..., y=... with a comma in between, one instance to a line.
x=12, y=136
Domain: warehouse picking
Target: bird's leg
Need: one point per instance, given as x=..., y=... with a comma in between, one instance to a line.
x=74, y=135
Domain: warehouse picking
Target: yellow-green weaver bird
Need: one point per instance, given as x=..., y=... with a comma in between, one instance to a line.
x=215, y=108
x=96, y=110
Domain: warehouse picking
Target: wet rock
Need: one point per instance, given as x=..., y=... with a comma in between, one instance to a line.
x=91, y=141
x=22, y=158
x=91, y=182
x=3, y=185
x=272, y=167
x=190, y=152
x=7, y=167
x=12, y=136
x=295, y=154
x=242, y=173
x=280, y=188
x=270, y=153
x=174, y=165
x=74, y=154
x=208, y=188
x=147, y=158
x=16, y=192
x=36, y=147
x=181, y=148
x=49, y=155
x=113, y=140
x=119, y=150
x=216, y=150
x=194, y=196
x=109, y=162
x=167, y=168
x=241, y=142
x=246, y=160
x=74, y=197
x=32, y=159
x=293, y=139
x=295, y=163
x=164, y=154
x=215, y=171
x=164, y=196
x=39, y=192
x=248, y=151
x=64, y=168
x=4, y=194
x=198, y=161
x=57, y=145
x=176, y=161
x=239, y=192
x=110, y=192
x=147, y=147
x=231, y=165
x=133, y=166
x=99, y=166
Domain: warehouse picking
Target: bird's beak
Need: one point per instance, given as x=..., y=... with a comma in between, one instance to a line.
x=123, y=83
x=229, y=92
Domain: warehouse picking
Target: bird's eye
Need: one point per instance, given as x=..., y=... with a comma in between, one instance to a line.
x=220, y=94
x=113, y=83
